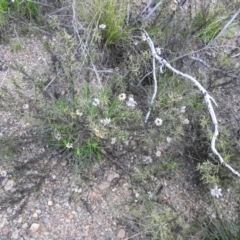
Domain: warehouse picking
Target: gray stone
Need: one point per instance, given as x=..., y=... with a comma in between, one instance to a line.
x=133, y=143
x=4, y=67
x=5, y=230
x=15, y=235
x=25, y=225
x=5, y=238
x=9, y=185
x=3, y=221
x=121, y=233
x=104, y=185
x=112, y=176
x=46, y=221
x=9, y=210
x=34, y=227
x=64, y=162
x=4, y=181
x=65, y=180
x=20, y=219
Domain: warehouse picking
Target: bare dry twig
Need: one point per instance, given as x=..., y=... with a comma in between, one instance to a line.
x=224, y=28
x=207, y=97
x=152, y=11
x=213, y=68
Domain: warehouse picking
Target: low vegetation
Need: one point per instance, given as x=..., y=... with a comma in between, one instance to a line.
x=90, y=105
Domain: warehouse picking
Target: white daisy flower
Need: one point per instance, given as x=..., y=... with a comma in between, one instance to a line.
x=3, y=173
x=169, y=139
x=102, y=26
x=158, y=122
x=105, y=121
x=185, y=121
x=113, y=140
x=178, y=97
x=158, y=153
x=216, y=192
x=131, y=102
x=95, y=102
x=58, y=136
x=122, y=96
x=150, y=195
x=25, y=106
x=78, y=113
x=183, y=109
x=69, y=145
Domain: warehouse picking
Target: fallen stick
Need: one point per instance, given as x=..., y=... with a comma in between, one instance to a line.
x=207, y=97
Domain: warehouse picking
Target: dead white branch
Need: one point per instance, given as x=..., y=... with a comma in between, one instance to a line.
x=145, y=8
x=224, y=29
x=213, y=68
x=155, y=88
x=207, y=97
x=152, y=11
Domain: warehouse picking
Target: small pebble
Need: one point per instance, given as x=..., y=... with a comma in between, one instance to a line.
x=9, y=185
x=25, y=225
x=64, y=162
x=34, y=227
x=15, y=235
x=112, y=176
x=46, y=221
x=121, y=233
x=104, y=185
x=20, y=219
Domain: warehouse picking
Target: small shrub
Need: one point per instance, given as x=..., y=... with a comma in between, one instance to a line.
x=16, y=45
x=26, y=9
x=106, y=17
x=85, y=113
x=156, y=222
x=208, y=21
x=221, y=229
